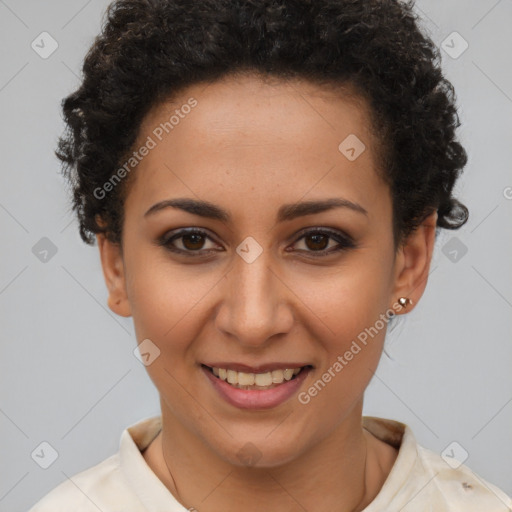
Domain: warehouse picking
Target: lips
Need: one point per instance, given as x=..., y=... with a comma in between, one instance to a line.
x=235, y=386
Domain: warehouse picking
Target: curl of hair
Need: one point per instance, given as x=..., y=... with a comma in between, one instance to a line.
x=150, y=50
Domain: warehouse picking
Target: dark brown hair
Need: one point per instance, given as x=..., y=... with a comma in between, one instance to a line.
x=149, y=50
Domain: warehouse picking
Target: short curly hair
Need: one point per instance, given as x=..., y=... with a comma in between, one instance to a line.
x=150, y=50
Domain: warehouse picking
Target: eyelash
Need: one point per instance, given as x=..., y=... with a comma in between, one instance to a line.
x=344, y=242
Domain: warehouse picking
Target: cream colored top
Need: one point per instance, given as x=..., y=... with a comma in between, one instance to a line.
x=419, y=481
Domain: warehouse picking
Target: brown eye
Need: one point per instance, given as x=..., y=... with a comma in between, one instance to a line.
x=193, y=241
x=188, y=242
x=317, y=241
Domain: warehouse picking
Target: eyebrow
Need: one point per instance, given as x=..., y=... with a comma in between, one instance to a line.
x=286, y=212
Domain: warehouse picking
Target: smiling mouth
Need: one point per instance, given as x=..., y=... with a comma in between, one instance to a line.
x=256, y=381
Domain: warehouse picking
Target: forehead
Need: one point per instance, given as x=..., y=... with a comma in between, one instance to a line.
x=247, y=137
x=262, y=109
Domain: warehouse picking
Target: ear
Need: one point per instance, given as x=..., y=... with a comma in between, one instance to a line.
x=114, y=274
x=412, y=263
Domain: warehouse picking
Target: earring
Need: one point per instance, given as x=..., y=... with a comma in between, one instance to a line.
x=404, y=301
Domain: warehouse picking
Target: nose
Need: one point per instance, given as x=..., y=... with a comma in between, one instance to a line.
x=256, y=303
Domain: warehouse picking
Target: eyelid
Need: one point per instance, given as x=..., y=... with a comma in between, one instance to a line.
x=334, y=233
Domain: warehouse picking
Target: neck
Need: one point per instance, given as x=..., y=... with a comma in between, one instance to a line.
x=342, y=472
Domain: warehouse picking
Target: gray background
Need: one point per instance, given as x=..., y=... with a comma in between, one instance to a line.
x=68, y=373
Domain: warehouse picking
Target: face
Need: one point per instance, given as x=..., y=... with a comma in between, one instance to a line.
x=244, y=276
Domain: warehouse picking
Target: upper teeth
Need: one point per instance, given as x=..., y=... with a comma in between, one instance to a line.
x=258, y=379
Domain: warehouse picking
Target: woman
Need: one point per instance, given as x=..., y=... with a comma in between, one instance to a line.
x=265, y=180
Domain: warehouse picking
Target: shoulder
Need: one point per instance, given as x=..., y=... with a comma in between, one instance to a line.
x=422, y=480
x=100, y=487
x=456, y=486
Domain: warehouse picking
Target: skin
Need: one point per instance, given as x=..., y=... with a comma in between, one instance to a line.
x=251, y=146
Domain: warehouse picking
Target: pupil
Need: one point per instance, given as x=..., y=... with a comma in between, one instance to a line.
x=196, y=239
x=317, y=239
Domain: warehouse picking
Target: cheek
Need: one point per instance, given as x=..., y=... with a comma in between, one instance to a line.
x=166, y=301
x=351, y=305
x=165, y=305
x=346, y=300
x=155, y=294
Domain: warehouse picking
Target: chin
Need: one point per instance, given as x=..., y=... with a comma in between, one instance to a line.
x=260, y=451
